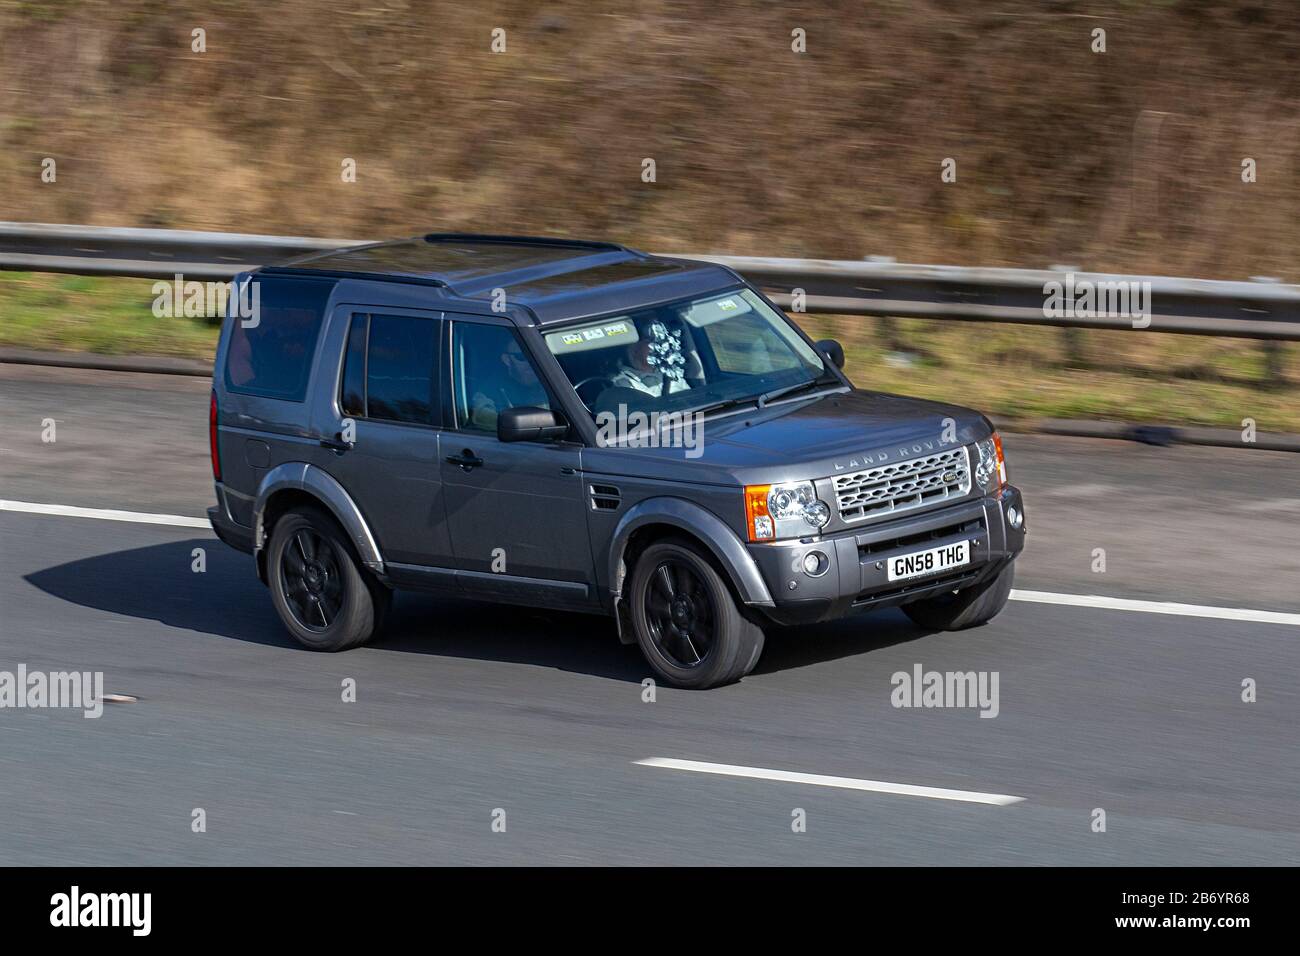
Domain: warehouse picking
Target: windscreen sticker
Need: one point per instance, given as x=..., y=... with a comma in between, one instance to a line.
x=598, y=336
x=715, y=310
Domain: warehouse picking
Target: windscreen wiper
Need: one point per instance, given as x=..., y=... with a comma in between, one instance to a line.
x=719, y=406
x=767, y=397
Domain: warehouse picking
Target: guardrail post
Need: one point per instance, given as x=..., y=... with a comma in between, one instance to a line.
x=888, y=331
x=886, y=325
x=1074, y=351
x=1274, y=352
x=1274, y=363
x=1072, y=338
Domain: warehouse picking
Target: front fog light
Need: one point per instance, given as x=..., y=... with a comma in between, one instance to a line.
x=815, y=564
x=1015, y=518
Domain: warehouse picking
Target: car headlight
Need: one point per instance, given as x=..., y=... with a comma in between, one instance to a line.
x=787, y=510
x=990, y=466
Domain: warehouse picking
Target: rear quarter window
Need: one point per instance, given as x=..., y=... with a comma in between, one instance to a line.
x=270, y=353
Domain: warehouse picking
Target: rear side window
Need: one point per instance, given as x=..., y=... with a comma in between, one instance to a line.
x=270, y=352
x=388, y=369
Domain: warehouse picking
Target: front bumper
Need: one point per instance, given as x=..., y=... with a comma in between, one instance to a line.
x=856, y=575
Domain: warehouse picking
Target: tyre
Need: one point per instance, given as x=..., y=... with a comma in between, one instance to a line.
x=323, y=596
x=969, y=607
x=686, y=619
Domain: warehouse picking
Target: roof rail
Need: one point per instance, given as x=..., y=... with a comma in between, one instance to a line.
x=311, y=273
x=525, y=241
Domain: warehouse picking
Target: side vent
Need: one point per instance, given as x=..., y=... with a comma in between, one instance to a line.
x=605, y=498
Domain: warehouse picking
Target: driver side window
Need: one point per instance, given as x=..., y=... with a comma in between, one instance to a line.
x=490, y=373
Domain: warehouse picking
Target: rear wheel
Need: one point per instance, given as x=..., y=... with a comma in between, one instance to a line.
x=969, y=607
x=686, y=621
x=323, y=596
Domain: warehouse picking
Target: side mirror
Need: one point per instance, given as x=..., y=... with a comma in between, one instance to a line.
x=530, y=423
x=832, y=350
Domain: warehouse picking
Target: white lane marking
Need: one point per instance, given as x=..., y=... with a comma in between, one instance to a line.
x=1269, y=504
x=1088, y=490
x=1156, y=607
x=1036, y=597
x=820, y=780
x=105, y=514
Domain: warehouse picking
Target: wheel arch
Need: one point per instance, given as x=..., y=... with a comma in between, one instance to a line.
x=654, y=518
x=294, y=483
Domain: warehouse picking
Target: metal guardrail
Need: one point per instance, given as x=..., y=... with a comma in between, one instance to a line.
x=1259, y=309
x=146, y=253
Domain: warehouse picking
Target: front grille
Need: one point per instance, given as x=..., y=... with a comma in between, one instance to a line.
x=903, y=485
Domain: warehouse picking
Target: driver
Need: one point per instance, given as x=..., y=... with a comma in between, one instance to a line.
x=516, y=384
x=654, y=364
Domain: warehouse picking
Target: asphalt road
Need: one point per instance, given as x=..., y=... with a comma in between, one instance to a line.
x=465, y=708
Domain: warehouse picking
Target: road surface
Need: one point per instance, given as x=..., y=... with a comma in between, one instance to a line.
x=469, y=713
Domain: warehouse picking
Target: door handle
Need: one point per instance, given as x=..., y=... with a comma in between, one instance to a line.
x=466, y=459
x=336, y=444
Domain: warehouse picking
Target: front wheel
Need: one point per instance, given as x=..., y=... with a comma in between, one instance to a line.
x=969, y=607
x=322, y=595
x=686, y=621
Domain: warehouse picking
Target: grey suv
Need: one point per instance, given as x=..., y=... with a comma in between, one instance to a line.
x=577, y=425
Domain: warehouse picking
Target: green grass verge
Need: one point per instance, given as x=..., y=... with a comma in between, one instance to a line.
x=1027, y=372
x=89, y=314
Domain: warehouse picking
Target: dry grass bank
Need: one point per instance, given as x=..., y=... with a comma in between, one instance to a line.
x=1127, y=160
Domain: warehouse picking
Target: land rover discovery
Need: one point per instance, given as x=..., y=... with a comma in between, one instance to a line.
x=580, y=426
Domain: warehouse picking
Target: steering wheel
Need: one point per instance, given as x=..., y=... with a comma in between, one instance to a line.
x=590, y=379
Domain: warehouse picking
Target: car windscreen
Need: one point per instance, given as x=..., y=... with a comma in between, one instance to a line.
x=685, y=355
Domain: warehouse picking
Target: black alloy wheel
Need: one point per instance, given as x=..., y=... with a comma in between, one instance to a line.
x=686, y=617
x=680, y=613
x=311, y=579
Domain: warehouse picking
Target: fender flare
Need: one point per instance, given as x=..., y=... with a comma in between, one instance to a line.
x=701, y=524
x=320, y=484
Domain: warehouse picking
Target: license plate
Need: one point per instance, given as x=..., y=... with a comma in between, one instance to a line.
x=931, y=561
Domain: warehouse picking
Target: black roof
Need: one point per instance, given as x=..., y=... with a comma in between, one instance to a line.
x=555, y=279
